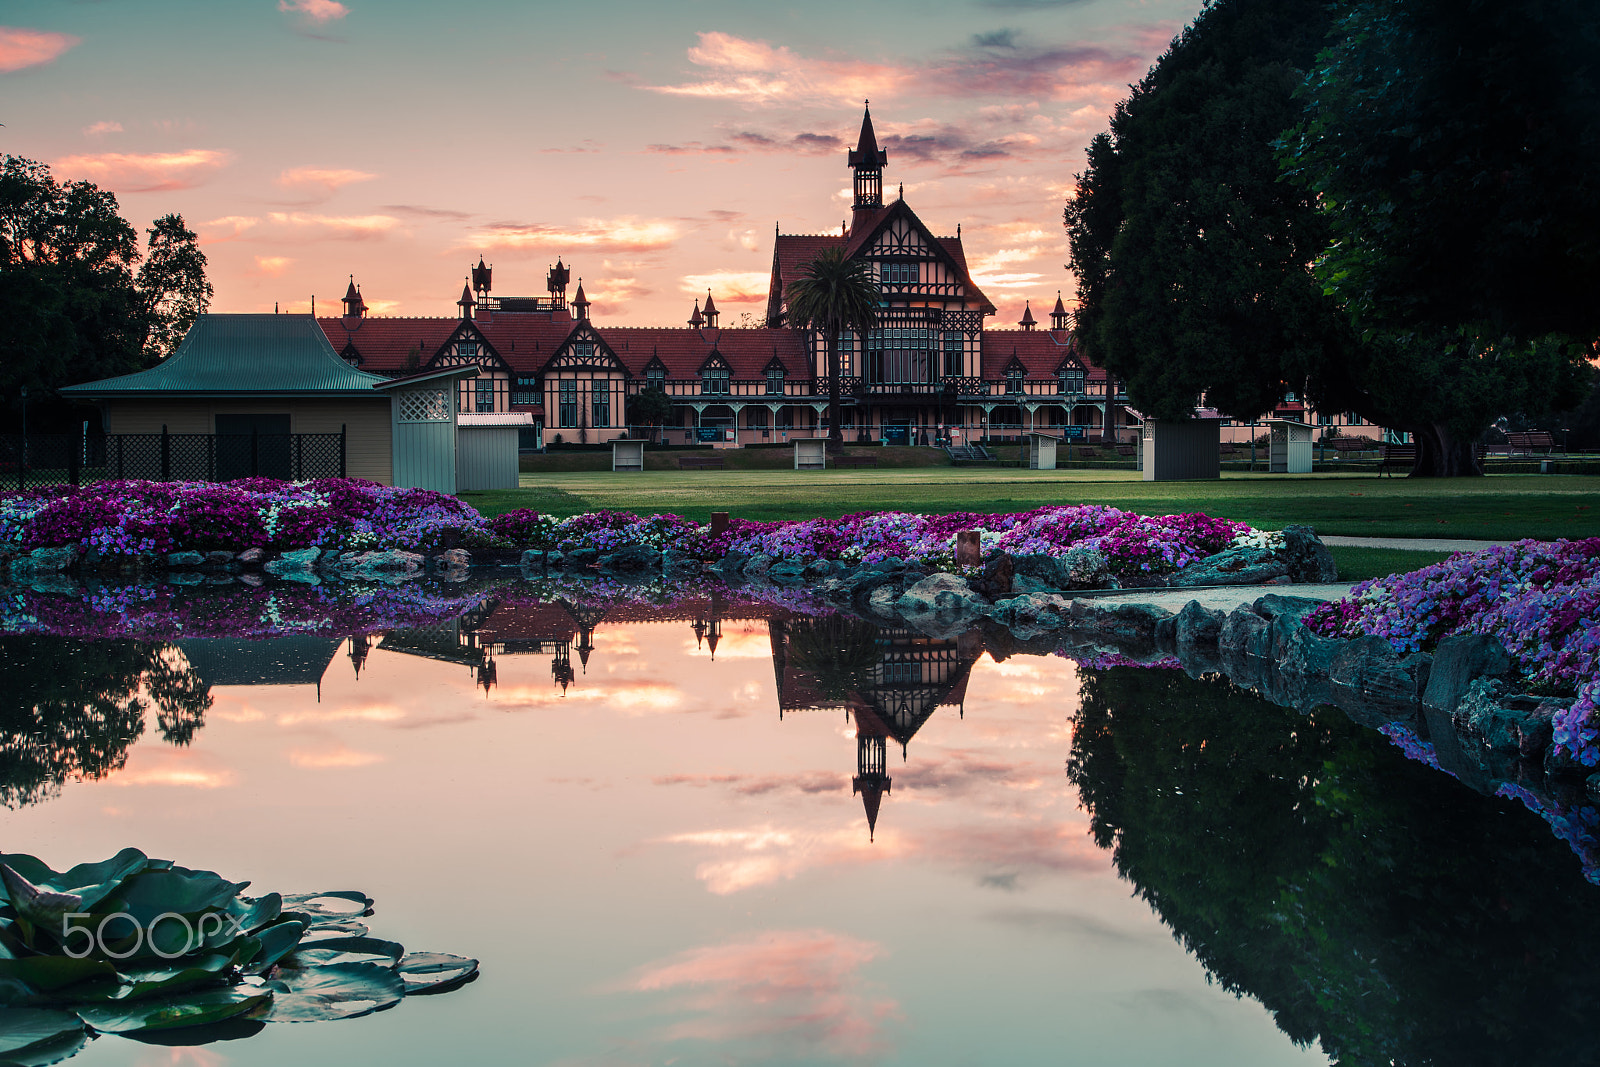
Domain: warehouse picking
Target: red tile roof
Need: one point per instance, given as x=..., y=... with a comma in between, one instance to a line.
x=1039, y=351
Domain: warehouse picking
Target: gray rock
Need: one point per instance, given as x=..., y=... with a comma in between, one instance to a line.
x=1244, y=634
x=731, y=565
x=554, y=558
x=676, y=563
x=1274, y=605
x=786, y=573
x=251, y=556
x=1040, y=571
x=184, y=559
x=330, y=557
x=296, y=563
x=941, y=605
x=758, y=565
x=1305, y=654
x=1373, y=684
x=54, y=583
x=1036, y=613
x=219, y=579
x=1197, y=625
x=1508, y=723
x=1245, y=565
x=251, y=579
x=388, y=565
x=456, y=557
x=186, y=578
x=1308, y=558
x=219, y=558
x=1124, y=624
x=580, y=558
x=629, y=559
x=823, y=568
x=1456, y=663
x=43, y=561
x=882, y=600
x=531, y=558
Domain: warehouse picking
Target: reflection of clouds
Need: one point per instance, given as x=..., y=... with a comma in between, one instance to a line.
x=736, y=644
x=1076, y=925
x=324, y=713
x=338, y=756
x=633, y=698
x=998, y=854
x=961, y=773
x=188, y=769
x=795, y=995
x=754, y=785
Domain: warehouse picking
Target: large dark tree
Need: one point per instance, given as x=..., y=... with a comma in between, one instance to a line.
x=1193, y=258
x=72, y=308
x=833, y=294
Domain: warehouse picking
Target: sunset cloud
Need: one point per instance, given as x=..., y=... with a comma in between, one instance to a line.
x=151, y=172
x=756, y=73
x=353, y=226
x=317, y=11
x=273, y=266
x=226, y=228
x=790, y=995
x=21, y=47
x=625, y=233
x=102, y=127
x=329, y=179
x=732, y=287
x=332, y=758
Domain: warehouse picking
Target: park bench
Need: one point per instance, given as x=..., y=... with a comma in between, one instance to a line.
x=1350, y=444
x=1125, y=450
x=855, y=461
x=1396, y=457
x=1087, y=452
x=1226, y=449
x=700, y=463
x=1527, y=442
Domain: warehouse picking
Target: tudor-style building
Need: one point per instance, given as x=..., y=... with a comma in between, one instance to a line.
x=929, y=369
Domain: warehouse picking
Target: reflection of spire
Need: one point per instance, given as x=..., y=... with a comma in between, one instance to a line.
x=587, y=619
x=585, y=646
x=561, y=667
x=487, y=675
x=709, y=631
x=872, y=778
x=360, y=644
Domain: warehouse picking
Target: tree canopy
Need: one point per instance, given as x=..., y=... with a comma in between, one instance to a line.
x=1407, y=270
x=833, y=294
x=75, y=304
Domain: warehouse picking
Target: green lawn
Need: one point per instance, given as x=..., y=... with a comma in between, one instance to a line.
x=1359, y=564
x=1497, y=507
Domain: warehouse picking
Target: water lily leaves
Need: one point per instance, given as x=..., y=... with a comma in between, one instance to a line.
x=325, y=931
x=36, y=907
x=425, y=973
x=167, y=1013
x=91, y=882
x=340, y=991
x=48, y=974
x=33, y=1037
x=335, y=906
x=276, y=942
x=252, y=915
x=141, y=982
x=348, y=950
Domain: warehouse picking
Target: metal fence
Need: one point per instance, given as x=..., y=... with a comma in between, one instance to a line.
x=55, y=459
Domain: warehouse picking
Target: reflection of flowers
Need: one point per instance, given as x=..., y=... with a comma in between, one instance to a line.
x=1541, y=599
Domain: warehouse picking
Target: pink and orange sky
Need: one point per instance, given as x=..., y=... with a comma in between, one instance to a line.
x=652, y=146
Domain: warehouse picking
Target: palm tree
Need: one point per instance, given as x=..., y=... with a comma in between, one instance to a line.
x=833, y=294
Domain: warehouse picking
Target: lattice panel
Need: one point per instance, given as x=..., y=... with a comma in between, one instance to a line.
x=425, y=405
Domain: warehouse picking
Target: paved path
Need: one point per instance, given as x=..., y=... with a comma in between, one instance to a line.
x=1417, y=544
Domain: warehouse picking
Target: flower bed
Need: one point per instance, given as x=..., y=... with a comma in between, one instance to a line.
x=130, y=518
x=1097, y=540
x=1541, y=599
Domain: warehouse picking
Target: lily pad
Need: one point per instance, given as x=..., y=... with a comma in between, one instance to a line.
x=48, y=974
x=342, y=991
x=335, y=906
x=276, y=942
x=425, y=973
x=348, y=950
x=328, y=931
x=167, y=1013
x=26, y=1029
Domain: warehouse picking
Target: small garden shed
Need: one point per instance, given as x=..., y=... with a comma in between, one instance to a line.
x=1290, y=450
x=486, y=449
x=1181, y=449
x=1039, y=451
x=267, y=395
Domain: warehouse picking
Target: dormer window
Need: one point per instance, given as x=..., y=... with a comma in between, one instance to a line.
x=1069, y=380
x=656, y=378
x=1014, y=380
x=714, y=380
x=775, y=376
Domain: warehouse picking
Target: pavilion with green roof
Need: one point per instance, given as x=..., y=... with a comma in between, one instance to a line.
x=241, y=380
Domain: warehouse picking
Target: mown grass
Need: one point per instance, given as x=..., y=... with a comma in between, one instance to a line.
x=1358, y=563
x=1499, y=507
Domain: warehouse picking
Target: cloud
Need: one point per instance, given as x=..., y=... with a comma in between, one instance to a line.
x=101, y=127
x=756, y=73
x=21, y=47
x=758, y=785
x=417, y=211
x=789, y=995
x=732, y=287
x=150, y=172
x=625, y=233
x=1028, y=5
x=273, y=266
x=226, y=228
x=332, y=758
x=320, y=12
x=804, y=143
x=349, y=226
x=330, y=179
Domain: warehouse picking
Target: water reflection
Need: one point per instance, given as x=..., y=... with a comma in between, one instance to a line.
x=1375, y=907
x=1371, y=904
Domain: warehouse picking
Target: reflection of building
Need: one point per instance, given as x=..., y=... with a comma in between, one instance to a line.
x=893, y=691
x=295, y=660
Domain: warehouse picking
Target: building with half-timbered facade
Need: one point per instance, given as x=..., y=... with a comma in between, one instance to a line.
x=931, y=368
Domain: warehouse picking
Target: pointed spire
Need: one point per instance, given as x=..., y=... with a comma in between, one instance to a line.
x=866, y=154
x=867, y=160
x=696, y=320
x=1058, y=317
x=354, y=306
x=466, y=301
x=580, y=304
x=711, y=311
x=482, y=276
x=1027, y=321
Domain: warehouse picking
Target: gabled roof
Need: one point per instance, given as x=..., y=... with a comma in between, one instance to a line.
x=1039, y=352
x=947, y=248
x=243, y=355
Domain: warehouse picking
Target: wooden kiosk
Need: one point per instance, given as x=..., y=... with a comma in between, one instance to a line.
x=627, y=455
x=1039, y=451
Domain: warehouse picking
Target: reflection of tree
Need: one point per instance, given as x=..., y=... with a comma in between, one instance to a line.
x=71, y=709
x=838, y=651
x=1369, y=902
